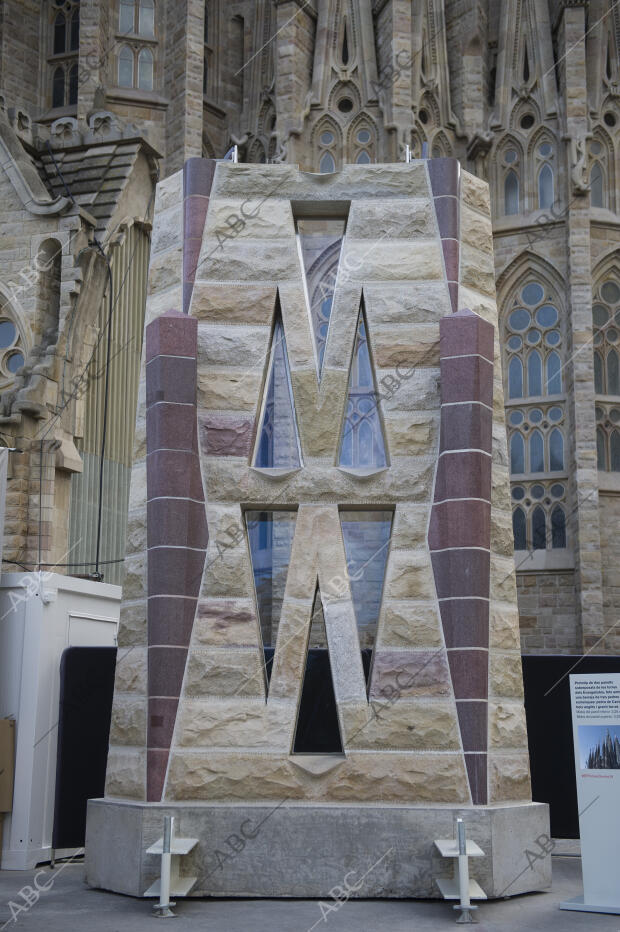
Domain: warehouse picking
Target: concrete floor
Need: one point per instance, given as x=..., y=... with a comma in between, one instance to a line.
x=70, y=905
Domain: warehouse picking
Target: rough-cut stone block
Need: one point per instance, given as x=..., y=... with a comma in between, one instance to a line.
x=507, y=727
x=218, y=303
x=407, y=624
x=509, y=777
x=128, y=723
x=226, y=435
x=237, y=723
x=226, y=623
x=405, y=724
x=409, y=576
x=506, y=675
x=225, y=673
x=126, y=773
x=409, y=673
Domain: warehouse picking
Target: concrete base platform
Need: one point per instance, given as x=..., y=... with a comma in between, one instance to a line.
x=308, y=850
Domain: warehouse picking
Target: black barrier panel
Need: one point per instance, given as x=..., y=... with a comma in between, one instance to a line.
x=86, y=689
x=550, y=733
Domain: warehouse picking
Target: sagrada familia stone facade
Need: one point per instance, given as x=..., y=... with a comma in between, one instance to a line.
x=423, y=217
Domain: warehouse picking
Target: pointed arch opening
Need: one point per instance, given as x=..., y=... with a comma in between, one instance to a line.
x=511, y=193
x=277, y=440
x=362, y=443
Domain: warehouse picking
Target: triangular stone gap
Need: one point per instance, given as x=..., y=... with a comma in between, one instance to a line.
x=319, y=242
x=317, y=730
x=362, y=443
x=367, y=536
x=270, y=538
x=277, y=439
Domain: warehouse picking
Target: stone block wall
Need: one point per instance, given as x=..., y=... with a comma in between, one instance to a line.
x=417, y=248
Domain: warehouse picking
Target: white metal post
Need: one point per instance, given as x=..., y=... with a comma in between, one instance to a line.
x=162, y=910
x=463, y=868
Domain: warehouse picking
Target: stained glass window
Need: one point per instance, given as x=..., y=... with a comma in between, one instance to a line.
x=362, y=443
x=320, y=247
x=270, y=535
x=366, y=539
x=278, y=440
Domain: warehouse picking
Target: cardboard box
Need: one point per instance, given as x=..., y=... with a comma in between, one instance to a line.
x=7, y=763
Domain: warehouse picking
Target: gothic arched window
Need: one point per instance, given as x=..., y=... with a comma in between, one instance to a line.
x=533, y=347
x=327, y=149
x=606, y=326
x=64, y=47
x=125, y=67
x=544, y=160
x=596, y=185
x=145, y=70
x=12, y=352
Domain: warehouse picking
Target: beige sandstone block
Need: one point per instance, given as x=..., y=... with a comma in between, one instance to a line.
x=136, y=530
x=126, y=773
x=228, y=389
x=405, y=724
x=135, y=584
x=414, y=433
x=166, y=269
x=478, y=301
x=290, y=653
x=228, y=776
x=378, y=260
x=137, y=487
x=409, y=575
x=255, y=260
x=502, y=541
x=237, y=723
x=404, y=348
x=221, y=672
x=224, y=345
x=507, y=728
x=226, y=623
x=475, y=193
x=409, y=526
x=506, y=675
x=399, y=778
x=319, y=415
x=242, y=218
x=167, y=229
x=128, y=724
x=407, y=624
x=476, y=230
x=414, y=303
x=391, y=218
x=503, y=579
x=130, y=675
x=169, y=192
x=509, y=777
x=477, y=270
x=218, y=303
x=504, y=626
x=132, y=626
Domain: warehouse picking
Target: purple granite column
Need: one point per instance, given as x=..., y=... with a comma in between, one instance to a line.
x=176, y=526
x=197, y=180
x=459, y=534
x=445, y=177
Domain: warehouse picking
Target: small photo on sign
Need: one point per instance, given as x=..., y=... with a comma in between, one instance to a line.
x=599, y=747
